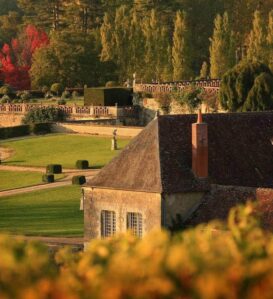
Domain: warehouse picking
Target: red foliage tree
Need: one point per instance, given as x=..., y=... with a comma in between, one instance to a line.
x=16, y=58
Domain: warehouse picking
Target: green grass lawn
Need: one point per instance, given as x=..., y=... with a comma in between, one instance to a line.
x=62, y=149
x=69, y=102
x=53, y=212
x=14, y=179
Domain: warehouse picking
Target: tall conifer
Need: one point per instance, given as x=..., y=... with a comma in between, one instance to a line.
x=181, y=51
x=257, y=39
x=270, y=41
x=222, y=49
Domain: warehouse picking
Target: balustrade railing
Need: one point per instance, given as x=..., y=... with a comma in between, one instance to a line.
x=208, y=85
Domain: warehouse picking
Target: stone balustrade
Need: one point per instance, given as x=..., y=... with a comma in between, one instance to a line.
x=72, y=111
x=210, y=86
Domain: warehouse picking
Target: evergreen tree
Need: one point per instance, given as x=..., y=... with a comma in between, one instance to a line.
x=181, y=51
x=106, y=32
x=270, y=41
x=222, y=49
x=257, y=39
x=152, y=34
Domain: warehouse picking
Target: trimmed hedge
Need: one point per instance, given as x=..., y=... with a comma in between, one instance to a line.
x=41, y=128
x=54, y=168
x=104, y=96
x=12, y=132
x=82, y=164
x=48, y=178
x=78, y=180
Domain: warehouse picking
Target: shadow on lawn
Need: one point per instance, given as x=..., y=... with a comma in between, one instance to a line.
x=11, y=162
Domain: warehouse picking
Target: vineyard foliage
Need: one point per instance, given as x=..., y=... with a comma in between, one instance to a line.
x=212, y=261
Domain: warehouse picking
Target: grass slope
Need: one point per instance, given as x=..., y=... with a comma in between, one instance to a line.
x=53, y=212
x=12, y=179
x=62, y=149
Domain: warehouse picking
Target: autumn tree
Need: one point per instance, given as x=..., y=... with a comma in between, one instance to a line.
x=16, y=58
x=270, y=41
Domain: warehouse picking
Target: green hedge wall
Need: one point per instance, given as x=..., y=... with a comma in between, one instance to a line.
x=104, y=96
x=48, y=178
x=24, y=130
x=12, y=132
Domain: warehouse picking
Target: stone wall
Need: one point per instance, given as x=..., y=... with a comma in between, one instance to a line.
x=92, y=129
x=10, y=120
x=179, y=207
x=121, y=202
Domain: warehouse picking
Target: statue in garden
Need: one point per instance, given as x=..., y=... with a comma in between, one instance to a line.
x=114, y=141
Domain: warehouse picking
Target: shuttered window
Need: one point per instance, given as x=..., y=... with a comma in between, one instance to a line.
x=108, y=223
x=134, y=223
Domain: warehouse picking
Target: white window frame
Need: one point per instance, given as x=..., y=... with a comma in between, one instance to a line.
x=108, y=223
x=135, y=223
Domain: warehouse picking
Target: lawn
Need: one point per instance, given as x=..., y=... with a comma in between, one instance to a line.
x=53, y=212
x=62, y=149
x=13, y=179
x=69, y=102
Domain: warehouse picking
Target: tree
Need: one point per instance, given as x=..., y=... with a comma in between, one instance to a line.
x=9, y=27
x=270, y=41
x=247, y=87
x=222, y=49
x=16, y=58
x=257, y=39
x=71, y=59
x=181, y=51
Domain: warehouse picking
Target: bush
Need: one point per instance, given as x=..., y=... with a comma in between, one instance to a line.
x=111, y=84
x=11, y=132
x=54, y=168
x=5, y=99
x=44, y=115
x=57, y=88
x=45, y=89
x=75, y=94
x=78, y=180
x=6, y=90
x=48, y=178
x=210, y=261
x=66, y=95
x=164, y=100
x=61, y=102
x=246, y=87
x=82, y=164
x=41, y=128
x=24, y=95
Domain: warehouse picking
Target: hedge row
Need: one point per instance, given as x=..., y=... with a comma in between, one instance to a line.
x=23, y=130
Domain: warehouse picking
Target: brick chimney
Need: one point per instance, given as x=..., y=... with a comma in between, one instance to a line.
x=200, y=148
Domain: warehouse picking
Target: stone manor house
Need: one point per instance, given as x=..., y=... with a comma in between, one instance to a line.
x=180, y=171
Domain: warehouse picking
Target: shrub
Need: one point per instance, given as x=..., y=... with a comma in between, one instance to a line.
x=48, y=178
x=233, y=260
x=66, y=95
x=5, y=99
x=41, y=128
x=11, y=132
x=6, y=90
x=75, y=94
x=57, y=88
x=54, y=168
x=24, y=95
x=82, y=164
x=45, y=89
x=78, y=180
x=44, y=115
x=111, y=84
x=164, y=100
x=246, y=87
x=62, y=102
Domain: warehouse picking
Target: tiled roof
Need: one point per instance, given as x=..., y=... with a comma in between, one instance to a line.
x=159, y=159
